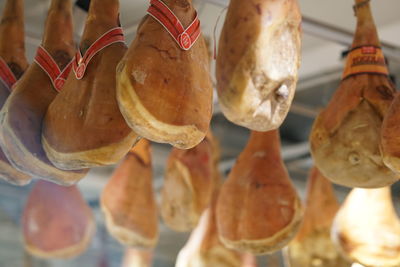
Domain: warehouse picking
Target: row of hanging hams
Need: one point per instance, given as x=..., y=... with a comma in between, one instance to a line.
x=73, y=110
x=328, y=235
x=81, y=120
x=365, y=229
x=77, y=109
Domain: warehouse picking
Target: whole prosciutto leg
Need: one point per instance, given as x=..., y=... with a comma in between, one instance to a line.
x=83, y=126
x=12, y=65
x=23, y=113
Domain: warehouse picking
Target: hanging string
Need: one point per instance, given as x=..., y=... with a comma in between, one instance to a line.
x=215, y=32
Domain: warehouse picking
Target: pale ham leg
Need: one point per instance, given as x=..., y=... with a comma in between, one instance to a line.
x=258, y=62
x=367, y=229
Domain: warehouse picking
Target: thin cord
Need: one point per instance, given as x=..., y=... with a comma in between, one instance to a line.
x=215, y=32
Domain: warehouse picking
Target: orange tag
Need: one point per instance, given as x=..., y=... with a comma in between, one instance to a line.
x=365, y=59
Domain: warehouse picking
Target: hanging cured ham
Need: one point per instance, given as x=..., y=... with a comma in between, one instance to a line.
x=312, y=245
x=345, y=139
x=23, y=113
x=12, y=65
x=258, y=61
x=83, y=126
x=164, y=88
x=188, y=185
x=137, y=258
x=204, y=247
x=258, y=209
x=367, y=229
x=56, y=221
x=128, y=200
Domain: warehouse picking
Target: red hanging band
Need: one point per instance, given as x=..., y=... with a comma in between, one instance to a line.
x=185, y=38
x=7, y=77
x=80, y=62
x=50, y=67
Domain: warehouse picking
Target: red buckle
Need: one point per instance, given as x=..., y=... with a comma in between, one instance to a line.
x=50, y=67
x=185, y=38
x=7, y=77
x=80, y=62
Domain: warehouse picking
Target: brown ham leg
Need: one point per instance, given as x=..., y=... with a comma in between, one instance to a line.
x=367, y=229
x=204, y=247
x=83, y=126
x=128, y=200
x=345, y=139
x=258, y=208
x=56, y=221
x=313, y=246
x=23, y=113
x=12, y=51
x=258, y=61
x=188, y=185
x=164, y=92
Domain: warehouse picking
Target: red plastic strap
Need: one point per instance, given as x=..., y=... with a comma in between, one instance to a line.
x=7, y=77
x=80, y=62
x=50, y=67
x=185, y=38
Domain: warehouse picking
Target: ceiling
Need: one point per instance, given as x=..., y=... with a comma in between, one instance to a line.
x=319, y=77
